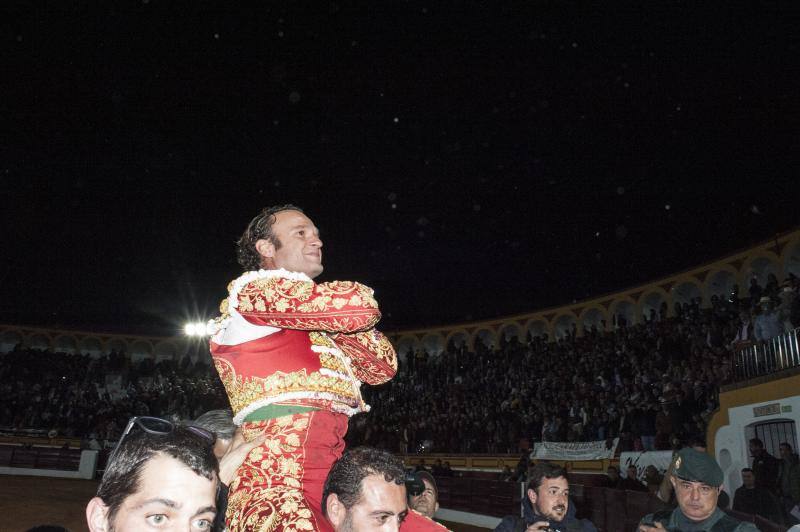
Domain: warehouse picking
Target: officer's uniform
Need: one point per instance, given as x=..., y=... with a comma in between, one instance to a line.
x=695, y=466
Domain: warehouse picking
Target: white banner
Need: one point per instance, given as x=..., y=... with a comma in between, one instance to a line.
x=591, y=450
x=660, y=459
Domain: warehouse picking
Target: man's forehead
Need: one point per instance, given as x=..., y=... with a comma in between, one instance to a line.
x=558, y=482
x=378, y=494
x=292, y=219
x=695, y=483
x=164, y=474
x=428, y=485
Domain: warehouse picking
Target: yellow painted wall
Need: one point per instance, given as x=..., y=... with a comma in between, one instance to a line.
x=773, y=390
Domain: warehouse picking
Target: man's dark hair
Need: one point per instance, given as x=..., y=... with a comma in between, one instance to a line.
x=121, y=477
x=346, y=475
x=787, y=445
x=758, y=443
x=544, y=470
x=259, y=228
x=220, y=422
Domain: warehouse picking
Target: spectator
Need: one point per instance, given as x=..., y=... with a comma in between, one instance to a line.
x=768, y=324
x=744, y=334
x=447, y=471
x=547, y=504
x=788, y=479
x=765, y=466
x=156, y=479
x=426, y=500
x=652, y=479
x=612, y=478
x=751, y=499
x=220, y=423
x=631, y=482
x=786, y=309
x=230, y=449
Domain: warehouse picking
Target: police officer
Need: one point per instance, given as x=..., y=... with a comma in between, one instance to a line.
x=697, y=481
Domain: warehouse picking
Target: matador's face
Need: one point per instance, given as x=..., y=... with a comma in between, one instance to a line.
x=297, y=246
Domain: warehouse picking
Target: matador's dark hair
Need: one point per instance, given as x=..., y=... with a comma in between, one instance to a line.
x=259, y=228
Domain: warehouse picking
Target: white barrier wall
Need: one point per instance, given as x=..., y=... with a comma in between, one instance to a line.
x=86, y=469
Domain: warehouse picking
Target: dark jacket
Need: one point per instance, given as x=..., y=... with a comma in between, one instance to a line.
x=514, y=523
x=757, y=501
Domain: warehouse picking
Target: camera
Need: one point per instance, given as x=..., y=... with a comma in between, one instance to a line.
x=414, y=484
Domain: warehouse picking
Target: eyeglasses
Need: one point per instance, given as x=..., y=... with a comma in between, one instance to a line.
x=158, y=427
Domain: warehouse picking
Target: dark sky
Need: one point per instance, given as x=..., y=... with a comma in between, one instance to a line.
x=467, y=160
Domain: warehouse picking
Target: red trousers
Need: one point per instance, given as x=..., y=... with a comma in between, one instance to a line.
x=279, y=485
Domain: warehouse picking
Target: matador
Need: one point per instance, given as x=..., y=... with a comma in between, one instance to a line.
x=292, y=355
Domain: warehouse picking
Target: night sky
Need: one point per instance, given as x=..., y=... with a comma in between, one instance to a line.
x=467, y=160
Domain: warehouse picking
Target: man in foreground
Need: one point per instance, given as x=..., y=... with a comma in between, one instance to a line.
x=547, y=505
x=697, y=480
x=365, y=490
x=157, y=481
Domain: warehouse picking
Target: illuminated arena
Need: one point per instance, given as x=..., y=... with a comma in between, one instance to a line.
x=666, y=359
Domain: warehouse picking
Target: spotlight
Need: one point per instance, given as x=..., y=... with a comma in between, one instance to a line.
x=195, y=329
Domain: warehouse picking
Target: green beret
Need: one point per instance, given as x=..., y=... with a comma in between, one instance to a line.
x=698, y=467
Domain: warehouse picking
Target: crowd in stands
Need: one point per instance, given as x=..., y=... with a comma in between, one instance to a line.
x=76, y=395
x=653, y=385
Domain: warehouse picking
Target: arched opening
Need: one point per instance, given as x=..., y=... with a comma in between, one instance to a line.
x=165, y=351
x=141, y=350
x=791, y=261
x=117, y=345
x=564, y=326
x=9, y=340
x=760, y=268
x=407, y=345
x=433, y=344
x=91, y=346
x=721, y=284
x=458, y=340
x=685, y=293
x=486, y=337
x=594, y=318
x=538, y=329
x=38, y=341
x=511, y=331
x=65, y=344
x=651, y=306
x=623, y=313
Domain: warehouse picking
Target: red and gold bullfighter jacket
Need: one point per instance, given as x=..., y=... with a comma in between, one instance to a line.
x=285, y=344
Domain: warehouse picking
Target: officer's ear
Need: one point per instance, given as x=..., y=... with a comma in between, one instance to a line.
x=532, y=496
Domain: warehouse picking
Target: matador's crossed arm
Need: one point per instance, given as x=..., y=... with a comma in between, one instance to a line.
x=345, y=309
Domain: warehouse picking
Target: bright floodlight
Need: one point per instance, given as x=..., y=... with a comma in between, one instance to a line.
x=195, y=329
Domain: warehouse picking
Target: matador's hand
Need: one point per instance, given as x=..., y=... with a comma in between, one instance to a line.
x=233, y=459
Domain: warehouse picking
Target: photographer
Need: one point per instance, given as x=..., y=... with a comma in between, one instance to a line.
x=547, y=504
